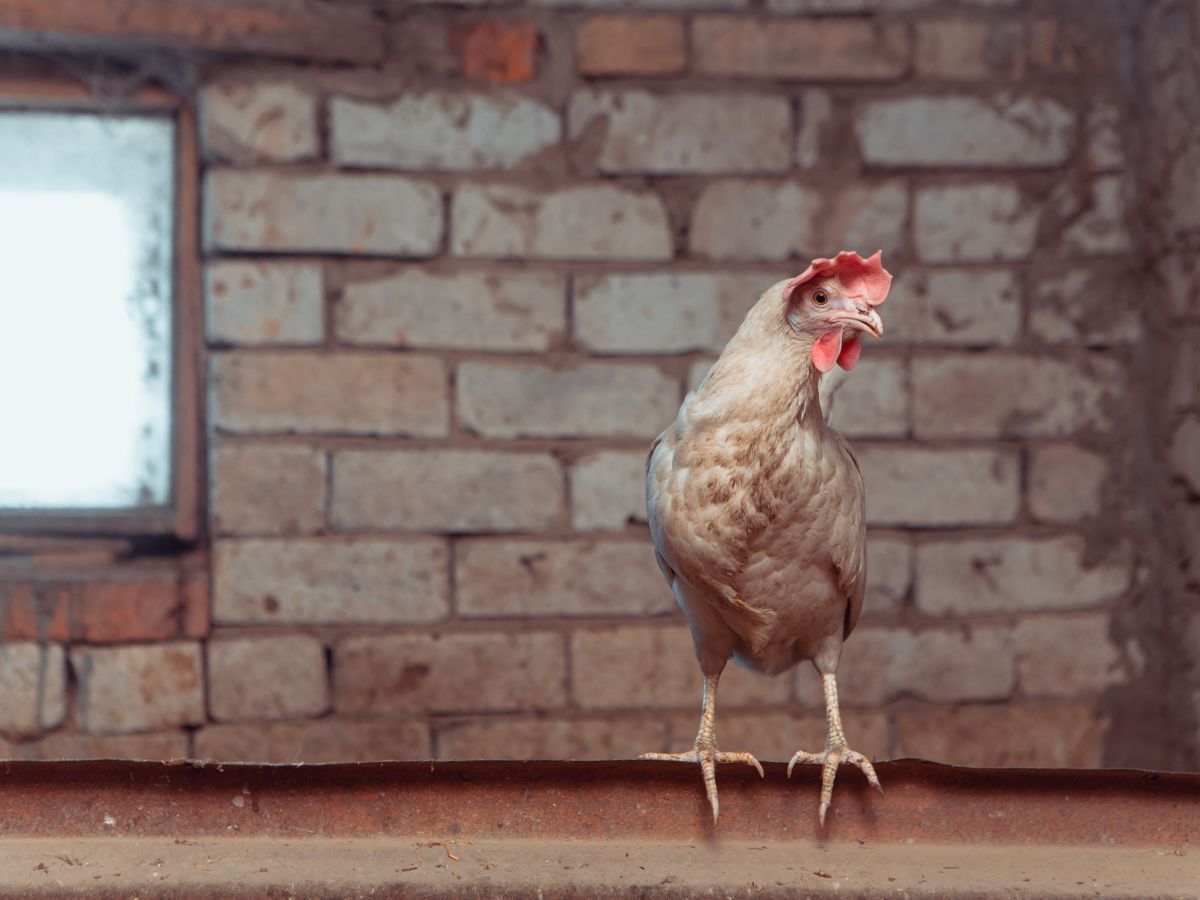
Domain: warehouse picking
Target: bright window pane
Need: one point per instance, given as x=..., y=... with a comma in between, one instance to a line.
x=86, y=230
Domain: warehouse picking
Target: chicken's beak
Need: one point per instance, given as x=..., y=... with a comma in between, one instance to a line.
x=864, y=320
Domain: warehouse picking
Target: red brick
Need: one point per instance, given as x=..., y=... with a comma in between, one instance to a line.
x=847, y=49
x=110, y=612
x=630, y=45
x=499, y=53
x=197, y=607
x=323, y=31
x=35, y=612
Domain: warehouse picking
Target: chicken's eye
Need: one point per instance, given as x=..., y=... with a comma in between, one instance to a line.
x=820, y=298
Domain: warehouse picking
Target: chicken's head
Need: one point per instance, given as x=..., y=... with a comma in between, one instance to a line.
x=833, y=300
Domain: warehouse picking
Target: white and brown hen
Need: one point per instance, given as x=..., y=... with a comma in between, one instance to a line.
x=756, y=505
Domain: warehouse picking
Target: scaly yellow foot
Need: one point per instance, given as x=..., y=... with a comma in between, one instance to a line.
x=708, y=756
x=829, y=760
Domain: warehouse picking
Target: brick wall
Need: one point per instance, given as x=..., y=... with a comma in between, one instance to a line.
x=456, y=285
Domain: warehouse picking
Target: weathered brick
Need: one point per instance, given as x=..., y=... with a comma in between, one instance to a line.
x=968, y=307
x=831, y=49
x=1096, y=219
x=655, y=4
x=541, y=738
x=870, y=215
x=643, y=666
x=194, y=594
x=1056, y=48
x=647, y=313
x=264, y=303
x=156, y=745
x=873, y=402
x=276, y=212
x=1184, y=451
x=471, y=310
x=1065, y=656
x=816, y=117
x=968, y=49
x=1002, y=130
x=1011, y=396
x=981, y=222
x=1060, y=735
x=608, y=491
x=1185, y=371
x=754, y=220
x=441, y=130
x=663, y=313
x=939, y=487
x=889, y=574
x=130, y=609
x=269, y=121
x=41, y=611
x=1180, y=274
x=360, y=393
x=1083, y=306
x=499, y=52
x=589, y=400
x=557, y=578
x=841, y=6
x=1011, y=574
x=585, y=221
x=398, y=673
x=777, y=735
x=776, y=220
x=445, y=490
x=1105, y=143
x=684, y=133
x=138, y=688
x=233, y=27
x=319, y=741
x=630, y=45
x=33, y=687
x=267, y=489
x=327, y=580
x=946, y=665
x=267, y=677
x=1065, y=483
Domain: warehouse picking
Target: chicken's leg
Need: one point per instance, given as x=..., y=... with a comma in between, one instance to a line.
x=705, y=749
x=836, y=752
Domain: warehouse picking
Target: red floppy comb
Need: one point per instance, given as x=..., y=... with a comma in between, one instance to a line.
x=866, y=278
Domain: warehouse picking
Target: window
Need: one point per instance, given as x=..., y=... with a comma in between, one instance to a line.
x=96, y=390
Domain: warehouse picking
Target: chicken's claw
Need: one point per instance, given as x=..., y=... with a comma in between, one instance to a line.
x=829, y=760
x=708, y=757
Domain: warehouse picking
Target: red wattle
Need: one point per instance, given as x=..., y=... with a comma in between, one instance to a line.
x=826, y=350
x=851, y=350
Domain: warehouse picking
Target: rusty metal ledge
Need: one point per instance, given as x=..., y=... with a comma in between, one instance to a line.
x=924, y=802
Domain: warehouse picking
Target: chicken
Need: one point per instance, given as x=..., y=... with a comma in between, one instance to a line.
x=756, y=506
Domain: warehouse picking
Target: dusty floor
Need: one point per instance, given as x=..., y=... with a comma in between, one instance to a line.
x=253, y=867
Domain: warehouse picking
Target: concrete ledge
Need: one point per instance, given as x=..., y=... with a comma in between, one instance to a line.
x=590, y=829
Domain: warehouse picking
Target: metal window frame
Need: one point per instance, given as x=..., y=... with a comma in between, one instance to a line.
x=180, y=516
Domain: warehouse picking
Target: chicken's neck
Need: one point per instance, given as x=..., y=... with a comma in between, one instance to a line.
x=777, y=390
